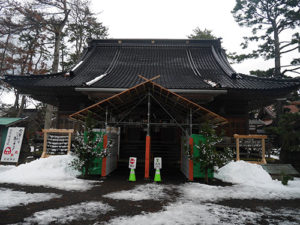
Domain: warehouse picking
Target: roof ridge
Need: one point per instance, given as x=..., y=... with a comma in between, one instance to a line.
x=269, y=78
x=156, y=42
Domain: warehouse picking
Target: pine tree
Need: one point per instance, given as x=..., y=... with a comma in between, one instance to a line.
x=202, y=34
x=270, y=20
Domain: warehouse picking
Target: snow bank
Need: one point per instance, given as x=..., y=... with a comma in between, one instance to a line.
x=81, y=211
x=52, y=172
x=141, y=192
x=10, y=198
x=251, y=182
x=241, y=172
x=5, y=168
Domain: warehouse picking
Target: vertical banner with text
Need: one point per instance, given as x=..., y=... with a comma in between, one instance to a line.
x=13, y=143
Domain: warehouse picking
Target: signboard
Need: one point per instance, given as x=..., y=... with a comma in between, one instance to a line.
x=57, y=145
x=132, y=163
x=157, y=163
x=13, y=143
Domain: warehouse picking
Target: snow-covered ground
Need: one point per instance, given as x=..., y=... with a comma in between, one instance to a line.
x=52, y=172
x=10, y=198
x=198, y=203
x=141, y=192
x=81, y=211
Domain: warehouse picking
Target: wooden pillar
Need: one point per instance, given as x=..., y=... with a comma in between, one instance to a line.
x=103, y=168
x=263, y=145
x=191, y=163
x=237, y=149
x=69, y=142
x=45, y=144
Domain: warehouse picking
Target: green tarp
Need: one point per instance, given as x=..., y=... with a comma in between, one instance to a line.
x=198, y=171
x=96, y=167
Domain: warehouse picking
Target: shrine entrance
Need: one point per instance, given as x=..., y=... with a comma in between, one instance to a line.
x=153, y=121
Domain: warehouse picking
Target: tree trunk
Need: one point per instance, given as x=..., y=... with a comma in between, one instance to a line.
x=4, y=53
x=86, y=169
x=21, y=108
x=16, y=104
x=57, y=33
x=48, y=116
x=49, y=108
x=206, y=175
x=277, y=53
x=56, y=53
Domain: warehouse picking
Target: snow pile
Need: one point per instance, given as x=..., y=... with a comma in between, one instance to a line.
x=10, y=198
x=81, y=211
x=241, y=172
x=53, y=172
x=141, y=192
x=5, y=168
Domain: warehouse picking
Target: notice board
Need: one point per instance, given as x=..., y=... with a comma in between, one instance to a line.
x=13, y=143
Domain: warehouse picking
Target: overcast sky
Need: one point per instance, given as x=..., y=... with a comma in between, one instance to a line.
x=175, y=19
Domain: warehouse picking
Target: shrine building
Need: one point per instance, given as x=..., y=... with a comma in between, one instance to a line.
x=158, y=92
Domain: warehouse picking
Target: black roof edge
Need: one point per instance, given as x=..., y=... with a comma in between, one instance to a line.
x=283, y=79
x=149, y=41
x=8, y=76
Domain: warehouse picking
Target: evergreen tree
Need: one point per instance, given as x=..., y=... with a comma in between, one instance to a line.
x=87, y=147
x=270, y=20
x=202, y=34
x=209, y=156
x=287, y=133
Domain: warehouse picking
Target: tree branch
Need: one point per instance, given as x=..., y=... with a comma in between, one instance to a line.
x=290, y=50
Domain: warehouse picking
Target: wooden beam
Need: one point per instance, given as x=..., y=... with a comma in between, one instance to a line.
x=254, y=136
x=58, y=130
x=151, y=79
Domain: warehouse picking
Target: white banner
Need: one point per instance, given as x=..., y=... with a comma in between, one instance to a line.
x=13, y=144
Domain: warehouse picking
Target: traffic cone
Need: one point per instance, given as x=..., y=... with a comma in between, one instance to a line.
x=132, y=175
x=157, y=177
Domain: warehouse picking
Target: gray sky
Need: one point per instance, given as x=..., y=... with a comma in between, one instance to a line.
x=176, y=19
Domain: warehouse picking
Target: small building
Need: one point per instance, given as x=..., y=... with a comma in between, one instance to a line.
x=163, y=89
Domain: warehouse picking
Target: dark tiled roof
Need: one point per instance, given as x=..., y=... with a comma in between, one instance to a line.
x=181, y=64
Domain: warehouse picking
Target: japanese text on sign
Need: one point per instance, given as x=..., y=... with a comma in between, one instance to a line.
x=12, y=146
